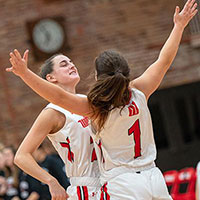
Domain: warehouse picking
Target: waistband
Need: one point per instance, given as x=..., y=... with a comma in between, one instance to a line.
x=85, y=181
x=107, y=175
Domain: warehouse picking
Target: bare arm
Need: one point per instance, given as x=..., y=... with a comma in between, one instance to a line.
x=150, y=80
x=33, y=139
x=33, y=196
x=50, y=92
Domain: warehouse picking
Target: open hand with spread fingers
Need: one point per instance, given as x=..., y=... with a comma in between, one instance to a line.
x=182, y=18
x=19, y=63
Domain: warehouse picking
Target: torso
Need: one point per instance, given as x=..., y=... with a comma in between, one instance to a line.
x=75, y=145
x=126, y=142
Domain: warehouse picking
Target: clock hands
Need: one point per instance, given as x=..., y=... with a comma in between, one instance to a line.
x=48, y=36
x=46, y=33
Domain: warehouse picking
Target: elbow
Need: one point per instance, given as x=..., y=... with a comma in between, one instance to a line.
x=17, y=159
x=165, y=61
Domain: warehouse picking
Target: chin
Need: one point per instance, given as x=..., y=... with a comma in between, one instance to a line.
x=76, y=79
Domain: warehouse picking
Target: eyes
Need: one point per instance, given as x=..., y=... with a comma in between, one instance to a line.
x=65, y=63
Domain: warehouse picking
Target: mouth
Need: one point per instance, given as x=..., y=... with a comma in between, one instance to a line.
x=72, y=72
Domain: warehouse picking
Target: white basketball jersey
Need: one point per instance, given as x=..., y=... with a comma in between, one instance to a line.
x=126, y=142
x=75, y=145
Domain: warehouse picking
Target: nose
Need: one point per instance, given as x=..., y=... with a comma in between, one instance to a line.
x=72, y=66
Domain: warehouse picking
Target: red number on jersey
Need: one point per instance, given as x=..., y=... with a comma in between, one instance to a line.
x=135, y=130
x=133, y=109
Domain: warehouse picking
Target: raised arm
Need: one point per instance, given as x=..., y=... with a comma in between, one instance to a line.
x=50, y=92
x=25, y=160
x=150, y=80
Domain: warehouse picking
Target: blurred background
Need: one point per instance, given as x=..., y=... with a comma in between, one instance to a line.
x=81, y=29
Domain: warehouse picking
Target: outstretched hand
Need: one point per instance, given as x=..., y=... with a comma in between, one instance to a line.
x=188, y=12
x=19, y=63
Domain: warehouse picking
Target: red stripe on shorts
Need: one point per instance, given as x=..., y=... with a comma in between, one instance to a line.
x=85, y=191
x=79, y=192
x=104, y=192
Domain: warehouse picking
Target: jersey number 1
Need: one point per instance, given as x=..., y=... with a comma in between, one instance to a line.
x=135, y=130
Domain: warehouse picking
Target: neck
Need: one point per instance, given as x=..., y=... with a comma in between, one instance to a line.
x=71, y=89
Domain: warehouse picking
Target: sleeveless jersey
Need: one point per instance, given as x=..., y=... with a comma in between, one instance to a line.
x=75, y=145
x=126, y=143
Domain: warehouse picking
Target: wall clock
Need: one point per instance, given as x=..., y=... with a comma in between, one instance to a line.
x=47, y=36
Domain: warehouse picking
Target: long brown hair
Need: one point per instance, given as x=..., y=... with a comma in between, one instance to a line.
x=111, y=88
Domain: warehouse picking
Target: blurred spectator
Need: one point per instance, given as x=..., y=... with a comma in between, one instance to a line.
x=12, y=174
x=2, y=161
x=3, y=188
x=28, y=186
x=17, y=185
x=53, y=165
x=3, y=183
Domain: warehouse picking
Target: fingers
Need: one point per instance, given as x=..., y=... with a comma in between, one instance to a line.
x=18, y=64
x=9, y=69
x=17, y=54
x=177, y=10
x=189, y=10
x=12, y=61
x=193, y=14
x=191, y=3
x=25, y=56
x=188, y=5
x=193, y=9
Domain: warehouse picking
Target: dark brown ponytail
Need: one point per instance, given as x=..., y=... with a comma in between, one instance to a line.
x=111, y=89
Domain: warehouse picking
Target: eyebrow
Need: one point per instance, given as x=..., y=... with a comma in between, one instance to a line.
x=64, y=61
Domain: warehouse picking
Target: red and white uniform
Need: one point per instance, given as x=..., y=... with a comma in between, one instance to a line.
x=126, y=152
x=76, y=148
x=198, y=182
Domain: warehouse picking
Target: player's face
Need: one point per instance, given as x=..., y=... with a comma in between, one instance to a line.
x=2, y=160
x=64, y=71
x=9, y=156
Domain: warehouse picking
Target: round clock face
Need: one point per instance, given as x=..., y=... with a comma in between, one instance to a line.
x=48, y=35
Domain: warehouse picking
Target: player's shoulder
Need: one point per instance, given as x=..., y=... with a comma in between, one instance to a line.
x=53, y=115
x=137, y=95
x=137, y=92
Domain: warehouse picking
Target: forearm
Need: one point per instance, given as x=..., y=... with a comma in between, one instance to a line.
x=27, y=163
x=48, y=91
x=152, y=77
x=170, y=48
x=56, y=94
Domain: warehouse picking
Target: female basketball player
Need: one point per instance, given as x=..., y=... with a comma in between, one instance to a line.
x=121, y=122
x=69, y=134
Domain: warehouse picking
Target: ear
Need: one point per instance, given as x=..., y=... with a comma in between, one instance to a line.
x=51, y=78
